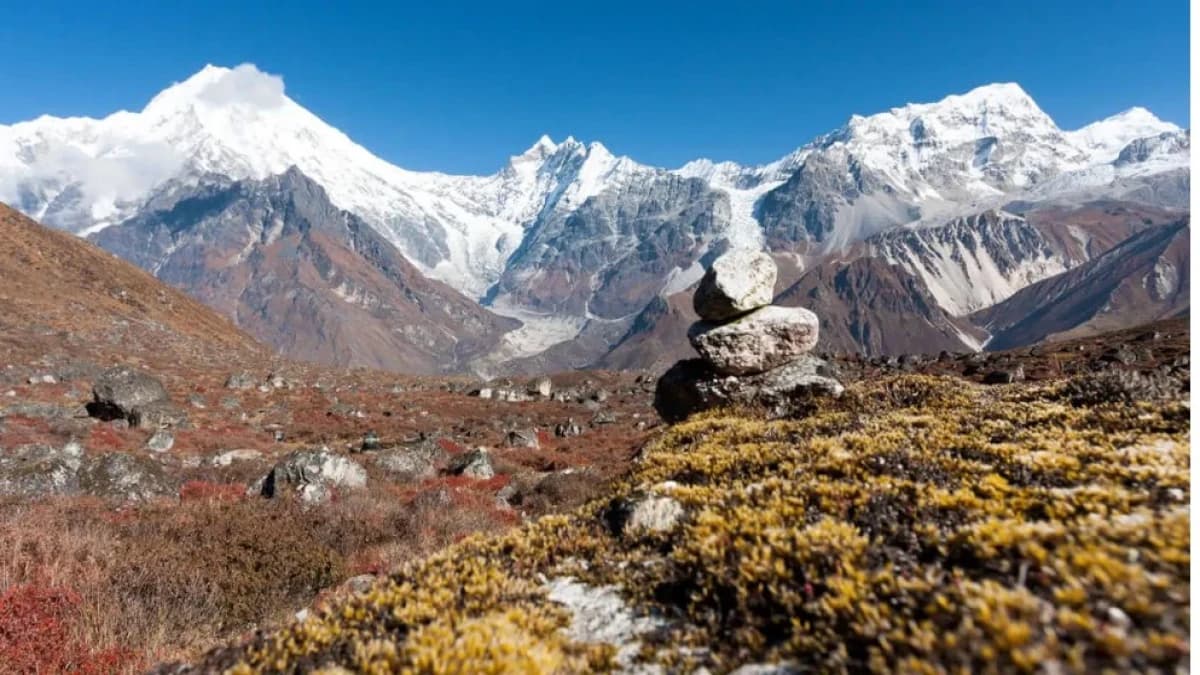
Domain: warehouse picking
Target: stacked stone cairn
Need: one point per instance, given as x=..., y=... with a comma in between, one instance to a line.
x=752, y=353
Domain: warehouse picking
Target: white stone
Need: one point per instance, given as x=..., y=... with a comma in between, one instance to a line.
x=757, y=342
x=600, y=615
x=738, y=281
x=654, y=514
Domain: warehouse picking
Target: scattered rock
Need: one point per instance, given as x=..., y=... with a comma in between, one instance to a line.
x=311, y=473
x=241, y=380
x=230, y=456
x=601, y=615
x=642, y=514
x=522, y=439
x=738, y=281
x=370, y=441
x=125, y=393
x=542, y=387
x=482, y=392
x=43, y=379
x=693, y=386
x=1005, y=375
x=413, y=462
x=157, y=416
x=475, y=463
x=161, y=441
x=765, y=338
x=39, y=470
x=118, y=475
x=360, y=583
x=603, y=417
x=567, y=429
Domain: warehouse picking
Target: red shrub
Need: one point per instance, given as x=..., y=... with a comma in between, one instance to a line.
x=104, y=438
x=450, y=446
x=36, y=635
x=204, y=491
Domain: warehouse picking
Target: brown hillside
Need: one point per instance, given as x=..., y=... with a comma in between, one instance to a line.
x=60, y=293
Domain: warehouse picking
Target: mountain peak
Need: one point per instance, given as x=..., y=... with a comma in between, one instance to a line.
x=1105, y=139
x=218, y=86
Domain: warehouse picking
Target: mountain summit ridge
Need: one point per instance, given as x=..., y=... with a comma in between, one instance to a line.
x=568, y=230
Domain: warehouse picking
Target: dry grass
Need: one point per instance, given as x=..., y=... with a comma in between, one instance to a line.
x=168, y=580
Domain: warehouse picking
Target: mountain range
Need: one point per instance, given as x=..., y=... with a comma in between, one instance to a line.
x=961, y=224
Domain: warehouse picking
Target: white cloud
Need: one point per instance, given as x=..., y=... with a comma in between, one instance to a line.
x=245, y=84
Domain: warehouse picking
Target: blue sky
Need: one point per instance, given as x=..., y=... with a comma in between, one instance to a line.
x=460, y=87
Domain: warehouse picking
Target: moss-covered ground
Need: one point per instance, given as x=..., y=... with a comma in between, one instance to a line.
x=917, y=524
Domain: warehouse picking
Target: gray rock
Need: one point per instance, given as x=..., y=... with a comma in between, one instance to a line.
x=601, y=418
x=765, y=338
x=126, y=477
x=360, y=583
x=1005, y=375
x=157, y=416
x=643, y=514
x=476, y=463
x=311, y=473
x=242, y=380
x=413, y=462
x=122, y=392
x=161, y=441
x=738, y=281
x=230, y=456
x=542, y=387
x=39, y=470
x=567, y=429
x=370, y=442
x=523, y=438
x=693, y=386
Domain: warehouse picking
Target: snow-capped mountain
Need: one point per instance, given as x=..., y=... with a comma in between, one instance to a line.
x=567, y=234
x=85, y=174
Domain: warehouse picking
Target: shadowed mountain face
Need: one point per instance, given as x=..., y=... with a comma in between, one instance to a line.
x=1144, y=278
x=310, y=279
x=875, y=308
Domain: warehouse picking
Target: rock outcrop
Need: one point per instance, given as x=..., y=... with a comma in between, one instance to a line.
x=753, y=354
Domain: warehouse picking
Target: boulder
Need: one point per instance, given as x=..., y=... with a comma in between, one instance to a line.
x=738, y=281
x=542, y=387
x=522, y=438
x=126, y=477
x=642, y=514
x=370, y=442
x=241, y=380
x=230, y=456
x=122, y=392
x=1005, y=375
x=157, y=416
x=161, y=441
x=411, y=462
x=475, y=463
x=756, y=342
x=567, y=429
x=311, y=473
x=39, y=470
x=693, y=386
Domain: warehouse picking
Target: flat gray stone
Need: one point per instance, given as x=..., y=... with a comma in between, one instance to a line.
x=693, y=386
x=765, y=338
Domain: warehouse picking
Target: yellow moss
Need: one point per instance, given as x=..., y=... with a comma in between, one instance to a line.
x=918, y=524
